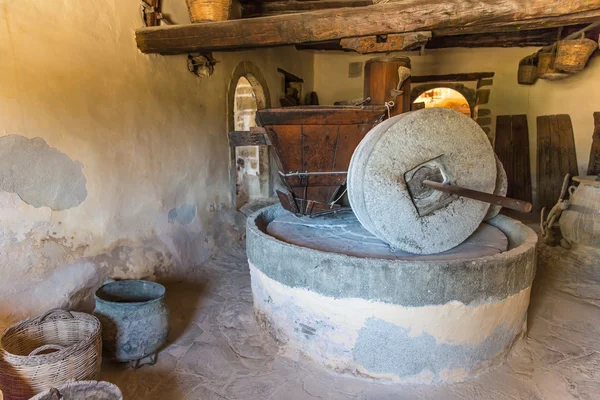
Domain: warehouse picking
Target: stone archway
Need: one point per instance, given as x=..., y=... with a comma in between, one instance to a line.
x=249, y=166
x=469, y=94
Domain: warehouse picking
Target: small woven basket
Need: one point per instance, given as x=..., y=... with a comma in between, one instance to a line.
x=208, y=10
x=48, y=351
x=91, y=390
x=546, y=69
x=528, y=72
x=572, y=55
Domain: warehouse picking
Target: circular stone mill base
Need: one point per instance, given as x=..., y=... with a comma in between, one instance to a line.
x=404, y=318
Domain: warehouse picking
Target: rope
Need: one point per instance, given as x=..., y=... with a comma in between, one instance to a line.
x=336, y=200
x=389, y=105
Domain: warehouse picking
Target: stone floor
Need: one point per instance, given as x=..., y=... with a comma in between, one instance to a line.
x=217, y=351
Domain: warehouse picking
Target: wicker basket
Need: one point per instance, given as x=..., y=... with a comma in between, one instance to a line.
x=208, y=10
x=44, y=352
x=528, y=72
x=572, y=55
x=91, y=390
x=546, y=68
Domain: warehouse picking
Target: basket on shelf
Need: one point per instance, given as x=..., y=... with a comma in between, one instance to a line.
x=546, y=69
x=528, y=71
x=572, y=55
x=208, y=10
x=48, y=351
x=82, y=390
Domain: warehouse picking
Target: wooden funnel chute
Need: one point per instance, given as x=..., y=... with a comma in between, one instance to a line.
x=313, y=147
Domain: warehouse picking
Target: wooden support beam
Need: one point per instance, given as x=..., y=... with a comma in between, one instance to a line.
x=254, y=137
x=541, y=22
x=151, y=9
x=469, y=76
x=534, y=38
x=523, y=38
x=386, y=43
x=380, y=19
x=254, y=9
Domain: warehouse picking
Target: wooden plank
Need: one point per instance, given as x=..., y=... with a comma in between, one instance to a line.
x=267, y=8
x=248, y=138
x=594, y=162
x=521, y=38
x=380, y=19
x=512, y=148
x=379, y=44
x=521, y=167
x=556, y=156
x=469, y=76
x=535, y=38
x=582, y=17
x=150, y=18
x=341, y=115
x=567, y=145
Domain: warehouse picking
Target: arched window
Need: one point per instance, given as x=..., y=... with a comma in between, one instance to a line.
x=446, y=98
x=249, y=165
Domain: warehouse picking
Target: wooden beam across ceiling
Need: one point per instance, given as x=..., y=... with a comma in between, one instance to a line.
x=252, y=9
x=389, y=18
x=533, y=38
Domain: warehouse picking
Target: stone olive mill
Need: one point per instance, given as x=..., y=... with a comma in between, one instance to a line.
x=300, y=199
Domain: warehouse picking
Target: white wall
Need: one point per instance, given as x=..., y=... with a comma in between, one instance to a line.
x=150, y=137
x=576, y=96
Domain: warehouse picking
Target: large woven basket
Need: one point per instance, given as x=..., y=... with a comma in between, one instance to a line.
x=84, y=390
x=572, y=55
x=45, y=352
x=208, y=10
x=528, y=71
x=546, y=68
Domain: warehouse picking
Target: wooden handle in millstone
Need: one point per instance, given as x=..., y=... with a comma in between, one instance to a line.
x=507, y=202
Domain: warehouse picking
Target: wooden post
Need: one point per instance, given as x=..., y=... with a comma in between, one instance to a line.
x=381, y=79
x=151, y=17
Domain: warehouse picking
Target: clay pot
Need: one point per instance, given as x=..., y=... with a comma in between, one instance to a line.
x=580, y=223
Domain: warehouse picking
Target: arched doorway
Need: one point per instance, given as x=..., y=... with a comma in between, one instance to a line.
x=249, y=165
x=445, y=97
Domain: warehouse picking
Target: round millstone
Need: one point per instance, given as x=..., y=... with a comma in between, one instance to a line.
x=500, y=190
x=396, y=148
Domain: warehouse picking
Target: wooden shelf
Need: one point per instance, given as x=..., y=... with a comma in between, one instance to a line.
x=442, y=17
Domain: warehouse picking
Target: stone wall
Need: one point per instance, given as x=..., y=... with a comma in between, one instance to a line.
x=112, y=163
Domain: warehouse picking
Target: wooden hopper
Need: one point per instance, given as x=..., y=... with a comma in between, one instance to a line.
x=312, y=147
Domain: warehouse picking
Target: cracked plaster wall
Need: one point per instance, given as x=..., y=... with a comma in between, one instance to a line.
x=149, y=137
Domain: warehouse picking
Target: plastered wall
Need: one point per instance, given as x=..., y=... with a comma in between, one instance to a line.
x=122, y=167
x=576, y=96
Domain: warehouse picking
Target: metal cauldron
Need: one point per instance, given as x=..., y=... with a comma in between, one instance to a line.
x=135, y=319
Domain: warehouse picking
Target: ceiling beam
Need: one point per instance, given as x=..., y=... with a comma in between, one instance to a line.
x=469, y=76
x=267, y=8
x=380, y=19
x=534, y=38
x=386, y=43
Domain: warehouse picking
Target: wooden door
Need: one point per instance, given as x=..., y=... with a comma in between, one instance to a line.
x=512, y=148
x=556, y=157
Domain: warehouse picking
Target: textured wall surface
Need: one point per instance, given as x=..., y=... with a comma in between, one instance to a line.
x=576, y=96
x=112, y=163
